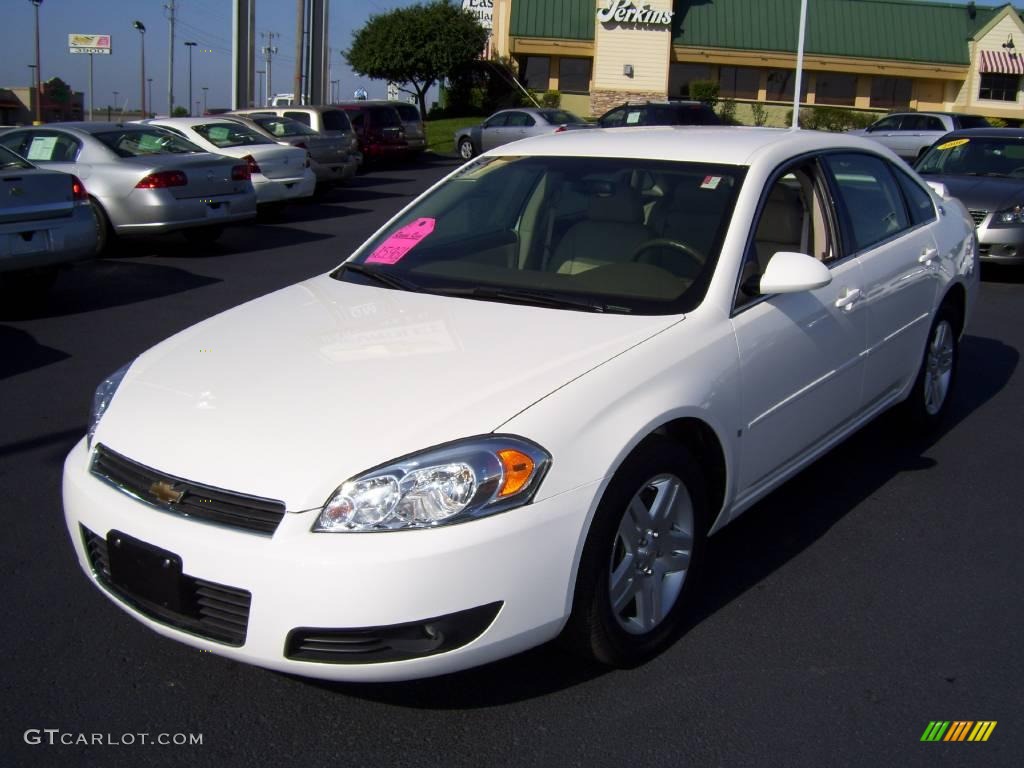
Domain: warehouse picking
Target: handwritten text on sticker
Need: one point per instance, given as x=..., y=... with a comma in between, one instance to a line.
x=954, y=143
x=401, y=242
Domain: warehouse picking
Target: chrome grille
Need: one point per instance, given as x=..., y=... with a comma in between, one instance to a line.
x=214, y=611
x=201, y=502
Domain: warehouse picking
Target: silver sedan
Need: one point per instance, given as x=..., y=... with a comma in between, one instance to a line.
x=142, y=179
x=512, y=125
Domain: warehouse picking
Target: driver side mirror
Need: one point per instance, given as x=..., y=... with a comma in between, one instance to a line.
x=790, y=272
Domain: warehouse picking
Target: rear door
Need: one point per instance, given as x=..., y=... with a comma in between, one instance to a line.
x=887, y=221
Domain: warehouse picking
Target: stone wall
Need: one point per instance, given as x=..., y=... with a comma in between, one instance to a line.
x=602, y=101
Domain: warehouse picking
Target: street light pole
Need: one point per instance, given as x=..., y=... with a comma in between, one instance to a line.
x=149, y=81
x=39, y=76
x=205, y=89
x=142, y=65
x=190, y=45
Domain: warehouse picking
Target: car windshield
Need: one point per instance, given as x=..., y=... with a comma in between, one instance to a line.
x=135, y=142
x=385, y=117
x=9, y=160
x=973, y=121
x=597, y=234
x=283, y=126
x=561, y=117
x=975, y=156
x=226, y=134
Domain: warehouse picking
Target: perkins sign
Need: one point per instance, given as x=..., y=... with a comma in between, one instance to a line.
x=625, y=12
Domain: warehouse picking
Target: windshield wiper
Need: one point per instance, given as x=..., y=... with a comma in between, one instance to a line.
x=535, y=298
x=384, y=278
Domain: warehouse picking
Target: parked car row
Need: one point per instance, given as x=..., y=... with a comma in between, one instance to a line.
x=73, y=187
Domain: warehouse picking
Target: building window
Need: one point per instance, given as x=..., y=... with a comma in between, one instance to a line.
x=835, y=88
x=574, y=75
x=681, y=75
x=999, y=87
x=890, y=92
x=738, y=82
x=781, y=83
x=536, y=72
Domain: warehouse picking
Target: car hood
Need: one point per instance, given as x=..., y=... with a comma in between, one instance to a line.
x=291, y=394
x=984, y=193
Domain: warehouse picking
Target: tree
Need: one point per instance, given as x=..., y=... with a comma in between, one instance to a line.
x=179, y=111
x=57, y=90
x=416, y=46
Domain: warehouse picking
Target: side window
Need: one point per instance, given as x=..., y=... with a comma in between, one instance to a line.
x=933, y=123
x=176, y=131
x=302, y=117
x=919, y=202
x=518, y=119
x=498, y=121
x=871, y=204
x=891, y=123
x=614, y=119
x=358, y=122
x=793, y=217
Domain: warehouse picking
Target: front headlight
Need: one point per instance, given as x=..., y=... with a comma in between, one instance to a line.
x=449, y=484
x=102, y=397
x=1010, y=216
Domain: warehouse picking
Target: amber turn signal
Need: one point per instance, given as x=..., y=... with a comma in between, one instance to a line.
x=517, y=469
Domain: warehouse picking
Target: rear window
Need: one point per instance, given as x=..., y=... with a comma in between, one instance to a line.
x=9, y=160
x=283, y=126
x=385, y=117
x=223, y=135
x=336, y=120
x=408, y=112
x=136, y=142
x=560, y=117
x=973, y=121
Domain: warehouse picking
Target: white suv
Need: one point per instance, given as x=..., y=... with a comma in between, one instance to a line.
x=908, y=134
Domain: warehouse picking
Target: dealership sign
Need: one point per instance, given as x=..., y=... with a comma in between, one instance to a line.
x=625, y=12
x=482, y=10
x=89, y=44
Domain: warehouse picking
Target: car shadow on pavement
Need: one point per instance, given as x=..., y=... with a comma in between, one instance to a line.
x=20, y=352
x=765, y=538
x=103, y=283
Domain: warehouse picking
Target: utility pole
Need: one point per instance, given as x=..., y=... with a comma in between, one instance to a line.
x=268, y=55
x=300, y=27
x=149, y=81
x=170, y=53
x=190, y=45
x=38, y=71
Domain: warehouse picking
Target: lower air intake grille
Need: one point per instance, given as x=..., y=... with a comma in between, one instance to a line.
x=183, y=497
x=214, y=611
x=396, y=642
x=978, y=216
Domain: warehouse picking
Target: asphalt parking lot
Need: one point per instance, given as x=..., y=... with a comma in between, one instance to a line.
x=876, y=592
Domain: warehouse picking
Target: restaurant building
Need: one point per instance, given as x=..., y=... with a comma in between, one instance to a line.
x=867, y=54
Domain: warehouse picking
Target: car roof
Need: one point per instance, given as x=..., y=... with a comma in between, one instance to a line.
x=726, y=145
x=81, y=126
x=189, y=120
x=999, y=133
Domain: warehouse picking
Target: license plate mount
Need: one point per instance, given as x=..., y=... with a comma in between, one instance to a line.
x=145, y=571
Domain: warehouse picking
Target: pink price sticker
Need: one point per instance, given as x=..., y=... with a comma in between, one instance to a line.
x=392, y=250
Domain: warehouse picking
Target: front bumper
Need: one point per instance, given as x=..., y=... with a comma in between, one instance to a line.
x=523, y=559
x=999, y=245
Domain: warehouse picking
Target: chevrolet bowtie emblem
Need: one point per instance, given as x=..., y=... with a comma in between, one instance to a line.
x=166, y=492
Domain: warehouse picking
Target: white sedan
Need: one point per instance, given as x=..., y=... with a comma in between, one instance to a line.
x=517, y=412
x=278, y=173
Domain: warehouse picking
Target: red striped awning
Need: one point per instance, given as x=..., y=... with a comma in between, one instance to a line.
x=1002, y=61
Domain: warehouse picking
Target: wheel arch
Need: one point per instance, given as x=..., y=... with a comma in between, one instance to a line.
x=956, y=300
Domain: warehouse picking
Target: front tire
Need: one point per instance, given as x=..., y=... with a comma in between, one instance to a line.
x=466, y=150
x=640, y=557
x=929, y=399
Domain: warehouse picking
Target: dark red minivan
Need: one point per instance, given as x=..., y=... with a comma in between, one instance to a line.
x=379, y=130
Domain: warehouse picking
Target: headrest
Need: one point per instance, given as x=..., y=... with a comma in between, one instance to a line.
x=617, y=204
x=782, y=217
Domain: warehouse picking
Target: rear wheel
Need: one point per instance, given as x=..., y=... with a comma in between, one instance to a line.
x=104, y=231
x=933, y=388
x=466, y=150
x=639, y=559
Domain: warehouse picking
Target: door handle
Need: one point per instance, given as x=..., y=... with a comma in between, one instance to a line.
x=848, y=298
x=927, y=255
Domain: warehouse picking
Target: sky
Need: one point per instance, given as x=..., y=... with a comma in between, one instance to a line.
x=206, y=22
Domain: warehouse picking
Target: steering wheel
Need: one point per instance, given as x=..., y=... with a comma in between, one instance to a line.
x=695, y=256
